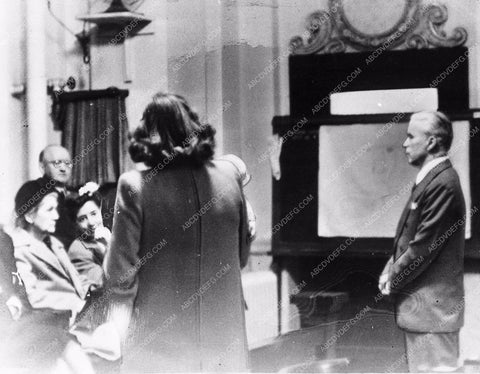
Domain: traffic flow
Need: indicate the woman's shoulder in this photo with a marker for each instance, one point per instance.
(76, 247)
(224, 164)
(131, 180)
(19, 236)
(131, 176)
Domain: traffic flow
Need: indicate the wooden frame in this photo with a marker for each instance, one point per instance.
(299, 167)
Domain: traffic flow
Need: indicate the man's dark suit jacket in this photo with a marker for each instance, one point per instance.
(426, 270)
(7, 267)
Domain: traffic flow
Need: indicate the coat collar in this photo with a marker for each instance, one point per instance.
(429, 166)
(429, 177)
(55, 257)
(22, 238)
(97, 248)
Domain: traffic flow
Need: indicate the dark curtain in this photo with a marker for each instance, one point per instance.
(95, 131)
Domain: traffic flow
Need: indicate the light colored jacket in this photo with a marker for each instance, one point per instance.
(50, 279)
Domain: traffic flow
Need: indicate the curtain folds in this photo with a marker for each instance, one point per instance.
(95, 131)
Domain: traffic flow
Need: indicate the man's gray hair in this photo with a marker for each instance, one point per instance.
(440, 126)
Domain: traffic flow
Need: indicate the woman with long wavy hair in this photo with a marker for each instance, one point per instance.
(179, 240)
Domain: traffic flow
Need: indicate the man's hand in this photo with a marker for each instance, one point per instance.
(101, 232)
(15, 307)
(384, 281)
(103, 235)
(384, 284)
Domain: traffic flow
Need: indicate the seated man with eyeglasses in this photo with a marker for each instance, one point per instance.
(56, 165)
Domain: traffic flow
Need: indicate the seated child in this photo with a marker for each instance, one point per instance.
(88, 250)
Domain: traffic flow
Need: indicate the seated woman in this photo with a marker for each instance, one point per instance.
(54, 290)
(88, 250)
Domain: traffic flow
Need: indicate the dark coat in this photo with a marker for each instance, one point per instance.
(66, 229)
(179, 241)
(8, 289)
(427, 269)
(7, 267)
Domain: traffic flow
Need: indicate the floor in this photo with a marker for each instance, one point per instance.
(370, 343)
(364, 337)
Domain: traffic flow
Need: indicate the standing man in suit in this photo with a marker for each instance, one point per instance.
(56, 165)
(425, 272)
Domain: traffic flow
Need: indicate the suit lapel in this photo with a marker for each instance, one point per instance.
(416, 192)
(403, 218)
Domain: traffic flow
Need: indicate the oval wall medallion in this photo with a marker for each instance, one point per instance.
(354, 18)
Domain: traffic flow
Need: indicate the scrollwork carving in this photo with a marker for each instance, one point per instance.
(418, 27)
(431, 30)
(318, 36)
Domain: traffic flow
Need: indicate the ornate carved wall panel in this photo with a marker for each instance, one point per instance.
(418, 26)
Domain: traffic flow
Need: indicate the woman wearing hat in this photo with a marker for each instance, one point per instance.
(54, 290)
(179, 240)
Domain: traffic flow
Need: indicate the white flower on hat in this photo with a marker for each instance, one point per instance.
(89, 188)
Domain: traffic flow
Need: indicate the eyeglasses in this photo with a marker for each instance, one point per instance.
(58, 163)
